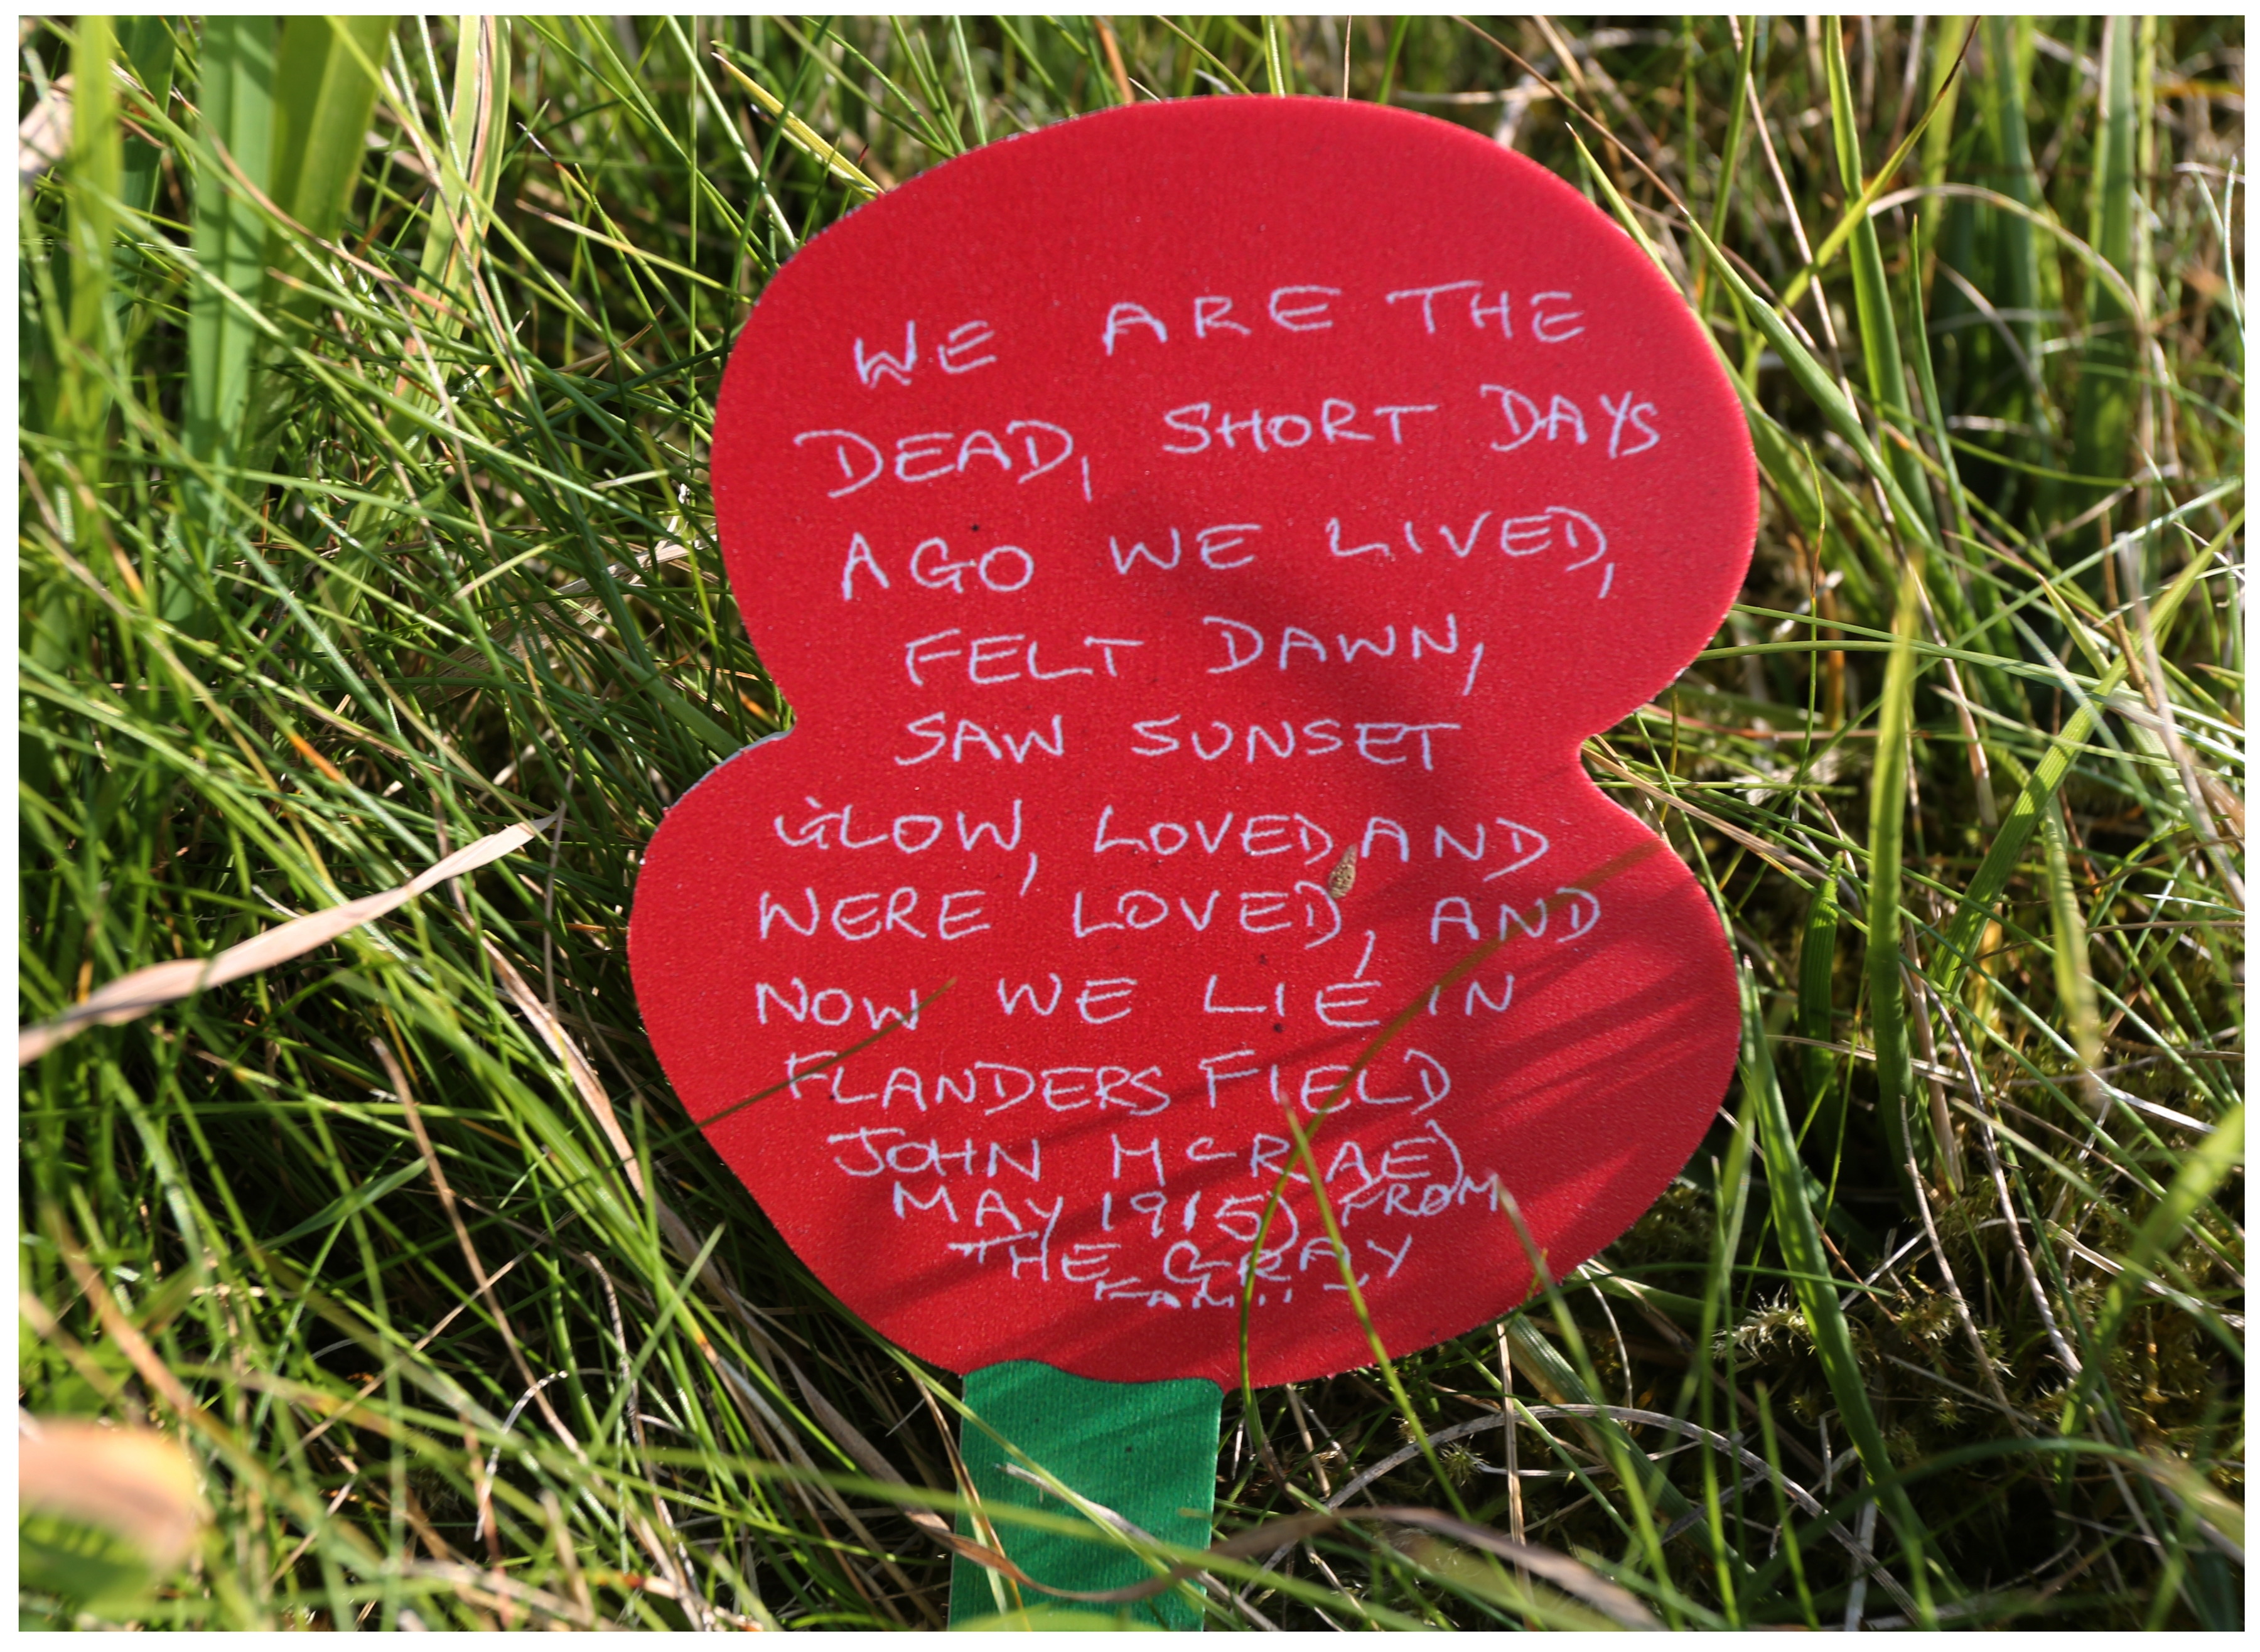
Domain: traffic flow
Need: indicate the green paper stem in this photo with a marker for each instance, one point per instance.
(1145, 1450)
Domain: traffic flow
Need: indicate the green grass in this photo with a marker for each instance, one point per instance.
(366, 379)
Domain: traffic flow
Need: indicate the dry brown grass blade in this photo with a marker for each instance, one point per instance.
(43, 136)
(131, 997)
(134, 1482)
(593, 1096)
(1770, 853)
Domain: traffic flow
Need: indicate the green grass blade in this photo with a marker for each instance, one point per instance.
(1887, 797)
(2038, 793)
(1943, 89)
(147, 44)
(1730, 163)
(351, 1203)
(1559, 1381)
(324, 91)
(1278, 74)
(975, 98)
(1729, 1572)
(95, 167)
(2075, 978)
(2104, 414)
(937, 113)
(1778, 457)
(1815, 381)
(1816, 1011)
(1398, 31)
(1855, 218)
(325, 81)
(2213, 1162)
(2232, 288)
(2143, 249)
(470, 163)
(1877, 326)
(1809, 1265)
(2007, 59)
(467, 160)
(1926, 379)
(235, 92)
(797, 133)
